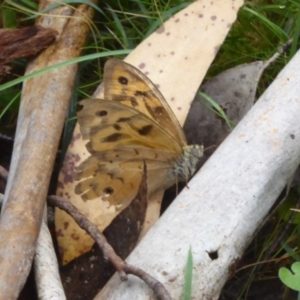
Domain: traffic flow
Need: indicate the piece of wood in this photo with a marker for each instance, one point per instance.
(226, 202)
(23, 42)
(45, 100)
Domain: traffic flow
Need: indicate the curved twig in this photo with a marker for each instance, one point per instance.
(122, 267)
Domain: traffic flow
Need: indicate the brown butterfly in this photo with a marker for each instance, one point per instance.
(132, 125)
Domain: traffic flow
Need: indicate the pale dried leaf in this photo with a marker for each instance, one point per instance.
(234, 91)
(190, 40)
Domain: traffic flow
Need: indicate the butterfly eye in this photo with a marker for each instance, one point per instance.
(101, 113)
(123, 80)
(108, 190)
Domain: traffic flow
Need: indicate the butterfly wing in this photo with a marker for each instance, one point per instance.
(121, 139)
(126, 84)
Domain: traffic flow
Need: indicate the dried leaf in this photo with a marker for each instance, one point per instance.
(191, 39)
(234, 91)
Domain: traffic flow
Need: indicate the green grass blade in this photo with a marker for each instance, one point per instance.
(188, 278)
(279, 32)
(63, 64)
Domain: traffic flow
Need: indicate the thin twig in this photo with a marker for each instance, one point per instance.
(122, 267)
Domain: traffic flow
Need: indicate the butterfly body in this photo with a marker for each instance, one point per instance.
(132, 126)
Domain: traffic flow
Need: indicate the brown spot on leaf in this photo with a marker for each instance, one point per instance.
(200, 16)
(142, 66)
(160, 29)
(75, 236)
(213, 18)
(59, 233)
(66, 225)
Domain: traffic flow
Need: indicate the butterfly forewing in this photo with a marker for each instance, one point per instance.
(126, 84)
(111, 125)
